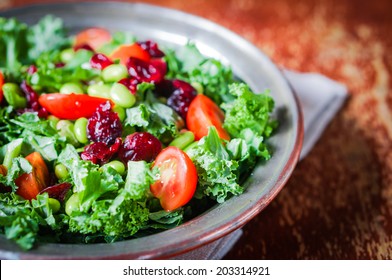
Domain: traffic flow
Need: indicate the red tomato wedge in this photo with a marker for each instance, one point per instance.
(30, 184)
(70, 106)
(203, 113)
(124, 52)
(95, 37)
(178, 178)
(1, 85)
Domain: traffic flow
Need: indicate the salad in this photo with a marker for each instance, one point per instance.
(104, 137)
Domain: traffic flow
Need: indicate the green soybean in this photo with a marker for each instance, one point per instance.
(66, 128)
(80, 130)
(72, 204)
(120, 112)
(114, 73)
(53, 120)
(117, 165)
(67, 55)
(99, 90)
(14, 96)
(54, 204)
(69, 88)
(198, 87)
(61, 171)
(183, 140)
(122, 96)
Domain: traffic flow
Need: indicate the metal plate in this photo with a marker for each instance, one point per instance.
(174, 28)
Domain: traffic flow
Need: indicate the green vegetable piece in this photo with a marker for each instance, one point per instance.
(14, 96)
(54, 204)
(122, 96)
(99, 90)
(117, 165)
(13, 150)
(53, 121)
(198, 87)
(67, 55)
(69, 88)
(80, 130)
(120, 112)
(72, 204)
(114, 73)
(61, 171)
(66, 128)
(183, 140)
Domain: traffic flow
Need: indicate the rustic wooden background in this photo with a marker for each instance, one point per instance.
(338, 203)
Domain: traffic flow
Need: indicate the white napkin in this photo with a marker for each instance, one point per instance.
(320, 98)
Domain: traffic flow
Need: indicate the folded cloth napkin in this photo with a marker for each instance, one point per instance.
(320, 99)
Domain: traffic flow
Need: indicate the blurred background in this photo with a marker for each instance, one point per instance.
(338, 203)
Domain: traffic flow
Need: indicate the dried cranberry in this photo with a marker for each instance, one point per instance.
(181, 97)
(131, 83)
(100, 153)
(146, 71)
(140, 146)
(32, 101)
(58, 191)
(32, 69)
(152, 48)
(59, 65)
(104, 125)
(100, 61)
(83, 47)
(164, 88)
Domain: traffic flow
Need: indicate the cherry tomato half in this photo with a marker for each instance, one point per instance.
(95, 37)
(124, 52)
(30, 184)
(1, 85)
(203, 113)
(178, 178)
(70, 106)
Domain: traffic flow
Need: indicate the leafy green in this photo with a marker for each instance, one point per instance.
(119, 38)
(138, 180)
(19, 166)
(217, 172)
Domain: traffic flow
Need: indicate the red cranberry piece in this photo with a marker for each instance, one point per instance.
(131, 83)
(140, 146)
(83, 47)
(100, 61)
(152, 48)
(181, 97)
(164, 88)
(59, 65)
(146, 71)
(104, 125)
(58, 191)
(32, 101)
(32, 69)
(100, 153)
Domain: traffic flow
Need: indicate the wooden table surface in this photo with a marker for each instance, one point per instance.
(338, 202)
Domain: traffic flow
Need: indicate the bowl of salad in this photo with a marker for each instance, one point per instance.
(134, 131)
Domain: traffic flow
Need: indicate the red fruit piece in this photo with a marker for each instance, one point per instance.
(32, 101)
(100, 61)
(131, 83)
(100, 153)
(181, 97)
(152, 48)
(152, 71)
(57, 191)
(140, 146)
(104, 125)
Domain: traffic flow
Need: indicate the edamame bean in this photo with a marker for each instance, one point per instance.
(54, 204)
(61, 171)
(114, 73)
(72, 204)
(69, 88)
(14, 96)
(80, 130)
(53, 120)
(198, 87)
(122, 96)
(66, 128)
(120, 112)
(117, 165)
(67, 55)
(183, 140)
(99, 90)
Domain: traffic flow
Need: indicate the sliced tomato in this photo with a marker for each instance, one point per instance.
(70, 106)
(203, 113)
(124, 52)
(30, 184)
(1, 85)
(178, 178)
(95, 37)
